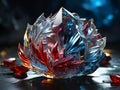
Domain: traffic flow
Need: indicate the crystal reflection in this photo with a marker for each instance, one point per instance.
(76, 83)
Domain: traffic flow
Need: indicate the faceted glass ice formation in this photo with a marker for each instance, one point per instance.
(62, 46)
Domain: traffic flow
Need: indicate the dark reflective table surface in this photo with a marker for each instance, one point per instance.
(99, 80)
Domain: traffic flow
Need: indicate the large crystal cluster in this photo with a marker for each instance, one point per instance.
(62, 46)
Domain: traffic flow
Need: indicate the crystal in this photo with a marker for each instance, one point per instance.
(115, 80)
(62, 45)
(19, 71)
(8, 62)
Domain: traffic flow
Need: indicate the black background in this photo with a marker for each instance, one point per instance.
(15, 14)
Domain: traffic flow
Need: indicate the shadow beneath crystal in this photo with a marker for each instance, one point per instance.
(75, 83)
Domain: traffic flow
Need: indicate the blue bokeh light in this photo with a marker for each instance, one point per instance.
(93, 4)
(102, 11)
(108, 19)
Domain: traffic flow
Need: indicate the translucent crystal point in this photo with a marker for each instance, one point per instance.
(62, 46)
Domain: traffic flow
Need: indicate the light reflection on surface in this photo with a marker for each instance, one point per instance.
(102, 71)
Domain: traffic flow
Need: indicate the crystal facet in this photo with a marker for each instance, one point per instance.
(63, 45)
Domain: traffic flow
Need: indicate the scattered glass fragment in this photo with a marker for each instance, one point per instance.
(19, 71)
(115, 78)
(8, 62)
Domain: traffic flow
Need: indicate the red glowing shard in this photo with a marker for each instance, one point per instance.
(19, 71)
(54, 52)
(8, 62)
(41, 56)
(115, 79)
(22, 56)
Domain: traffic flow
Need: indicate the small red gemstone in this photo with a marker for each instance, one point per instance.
(19, 71)
(115, 79)
(8, 62)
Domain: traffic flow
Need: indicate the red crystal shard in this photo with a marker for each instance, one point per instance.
(66, 64)
(8, 62)
(22, 56)
(54, 52)
(62, 61)
(19, 71)
(37, 55)
(41, 56)
(115, 79)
